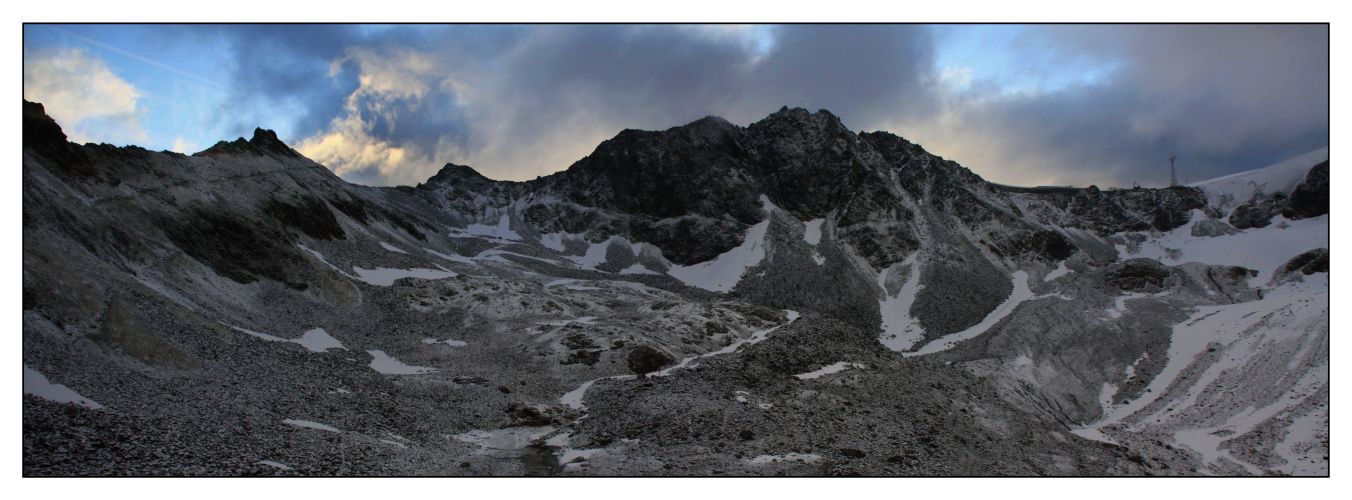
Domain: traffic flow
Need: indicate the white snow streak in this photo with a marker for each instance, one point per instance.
(900, 331)
(724, 272)
(836, 367)
(1020, 294)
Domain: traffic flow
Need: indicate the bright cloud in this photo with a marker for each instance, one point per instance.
(80, 92)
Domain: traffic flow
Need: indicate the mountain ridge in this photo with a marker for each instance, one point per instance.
(792, 275)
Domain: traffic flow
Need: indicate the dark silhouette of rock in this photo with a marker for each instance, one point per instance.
(1311, 197)
(1139, 275)
(643, 360)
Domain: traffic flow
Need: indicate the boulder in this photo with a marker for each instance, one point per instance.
(1139, 275)
(1211, 227)
(1257, 212)
(644, 360)
(1311, 197)
(1313, 261)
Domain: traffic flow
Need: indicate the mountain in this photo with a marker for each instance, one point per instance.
(803, 299)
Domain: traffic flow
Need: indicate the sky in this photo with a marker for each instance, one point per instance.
(389, 105)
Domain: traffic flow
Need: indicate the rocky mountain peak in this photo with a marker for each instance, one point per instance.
(38, 128)
(799, 118)
(263, 142)
(453, 174)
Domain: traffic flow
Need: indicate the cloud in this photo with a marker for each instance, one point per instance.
(548, 97)
(1224, 98)
(181, 145)
(81, 93)
(1045, 104)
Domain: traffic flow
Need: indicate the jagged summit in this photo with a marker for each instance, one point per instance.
(263, 142)
(456, 174)
(38, 128)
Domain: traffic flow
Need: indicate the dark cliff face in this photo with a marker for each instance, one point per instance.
(693, 190)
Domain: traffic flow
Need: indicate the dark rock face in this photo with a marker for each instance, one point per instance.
(1139, 275)
(1117, 210)
(1311, 197)
(306, 214)
(694, 190)
(530, 415)
(643, 360)
(1257, 212)
(1313, 261)
(241, 251)
(958, 295)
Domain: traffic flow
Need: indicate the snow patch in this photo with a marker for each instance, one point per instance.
(1225, 193)
(553, 241)
(306, 424)
(1061, 270)
(1261, 249)
(637, 269)
(836, 367)
(500, 231)
(271, 463)
(812, 231)
(392, 248)
(318, 340)
(35, 383)
(453, 258)
(382, 276)
(386, 364)
(573, 399)
(314, 340)
(900, 331)
(1242, 331)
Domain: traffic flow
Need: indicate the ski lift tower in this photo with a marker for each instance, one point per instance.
(1173, 174)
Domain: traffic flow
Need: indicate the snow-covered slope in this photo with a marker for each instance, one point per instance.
(1224, 193)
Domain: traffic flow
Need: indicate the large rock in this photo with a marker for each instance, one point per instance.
(1212, 227)
(1257, 212)
(1311, 197)
(1139, 275)
(1313, 261)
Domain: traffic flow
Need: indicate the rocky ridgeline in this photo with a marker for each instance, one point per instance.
(482, 327)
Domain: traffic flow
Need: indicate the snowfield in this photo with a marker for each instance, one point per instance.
(1261, 249)
(1227, 192)
(1269, 352)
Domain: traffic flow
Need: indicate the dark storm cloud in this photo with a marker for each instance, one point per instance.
(1223, 98)
(521, 101)
(576, 85)
(865, 74)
